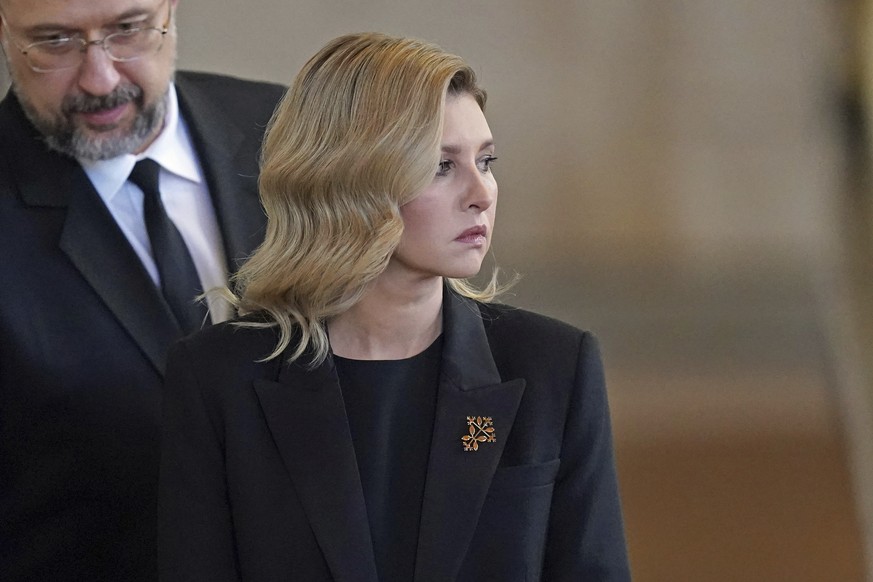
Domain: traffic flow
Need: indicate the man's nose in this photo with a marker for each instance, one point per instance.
(97, 73)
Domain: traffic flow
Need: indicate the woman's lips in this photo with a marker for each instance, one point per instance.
(475, 236)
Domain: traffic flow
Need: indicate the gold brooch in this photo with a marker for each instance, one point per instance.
(481, 431)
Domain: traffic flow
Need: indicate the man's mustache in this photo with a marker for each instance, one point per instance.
(91, 103)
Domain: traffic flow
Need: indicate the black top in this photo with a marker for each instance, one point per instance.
(390, 406)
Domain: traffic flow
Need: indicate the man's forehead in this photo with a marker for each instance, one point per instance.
(70, 12)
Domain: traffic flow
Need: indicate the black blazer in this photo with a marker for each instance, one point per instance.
(83, 341)
(259, 480)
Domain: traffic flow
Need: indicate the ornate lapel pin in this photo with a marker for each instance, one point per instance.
(481, 431)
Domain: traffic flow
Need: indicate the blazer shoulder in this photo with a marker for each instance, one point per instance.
(229, 85)
(227, 348)
(242, 99)
(503, 319)
(521, 339)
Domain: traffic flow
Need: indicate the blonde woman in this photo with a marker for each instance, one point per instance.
(371, 416)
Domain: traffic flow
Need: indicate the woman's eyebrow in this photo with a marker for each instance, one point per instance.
(454, 149)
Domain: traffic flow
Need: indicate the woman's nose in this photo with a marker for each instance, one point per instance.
(481, 190)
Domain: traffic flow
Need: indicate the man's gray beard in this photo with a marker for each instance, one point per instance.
(62, 135)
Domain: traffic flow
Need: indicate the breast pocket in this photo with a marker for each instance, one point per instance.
(510, 535)
(524, 476)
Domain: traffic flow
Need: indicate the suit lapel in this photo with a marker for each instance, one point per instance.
(90, 237)
(231, 168)
(458, 480)
(307, 418)
(101, 253)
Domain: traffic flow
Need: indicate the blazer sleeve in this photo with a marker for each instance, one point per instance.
(586, 535)
(195, 533)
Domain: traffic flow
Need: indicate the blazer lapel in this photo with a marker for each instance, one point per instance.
(458, 480)
(91, 238)
(230, 166)
(307, 418)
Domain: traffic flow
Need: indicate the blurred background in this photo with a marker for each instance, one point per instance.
(689, 179)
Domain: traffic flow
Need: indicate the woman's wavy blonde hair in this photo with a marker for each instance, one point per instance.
(355, 137)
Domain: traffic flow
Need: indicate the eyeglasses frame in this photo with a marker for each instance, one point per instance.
(84, 44)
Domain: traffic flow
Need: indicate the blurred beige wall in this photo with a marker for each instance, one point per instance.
(619, 123)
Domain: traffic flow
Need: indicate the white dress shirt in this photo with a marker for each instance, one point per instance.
(185, 197)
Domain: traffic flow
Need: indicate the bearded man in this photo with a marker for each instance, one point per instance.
(126, 190)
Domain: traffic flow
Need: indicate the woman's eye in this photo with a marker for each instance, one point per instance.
(485, 163)
(444, 167)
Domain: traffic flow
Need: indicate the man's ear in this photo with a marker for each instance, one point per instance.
(3, 42)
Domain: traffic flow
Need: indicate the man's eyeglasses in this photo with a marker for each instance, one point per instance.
(68, 52)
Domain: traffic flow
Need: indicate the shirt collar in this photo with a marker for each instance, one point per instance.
(172, 149)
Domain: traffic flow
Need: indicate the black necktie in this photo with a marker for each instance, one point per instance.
(179, 281)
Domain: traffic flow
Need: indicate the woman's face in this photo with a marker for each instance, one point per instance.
(448, 227)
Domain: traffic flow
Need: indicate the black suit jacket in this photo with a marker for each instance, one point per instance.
(83, 341)
(259, 480)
